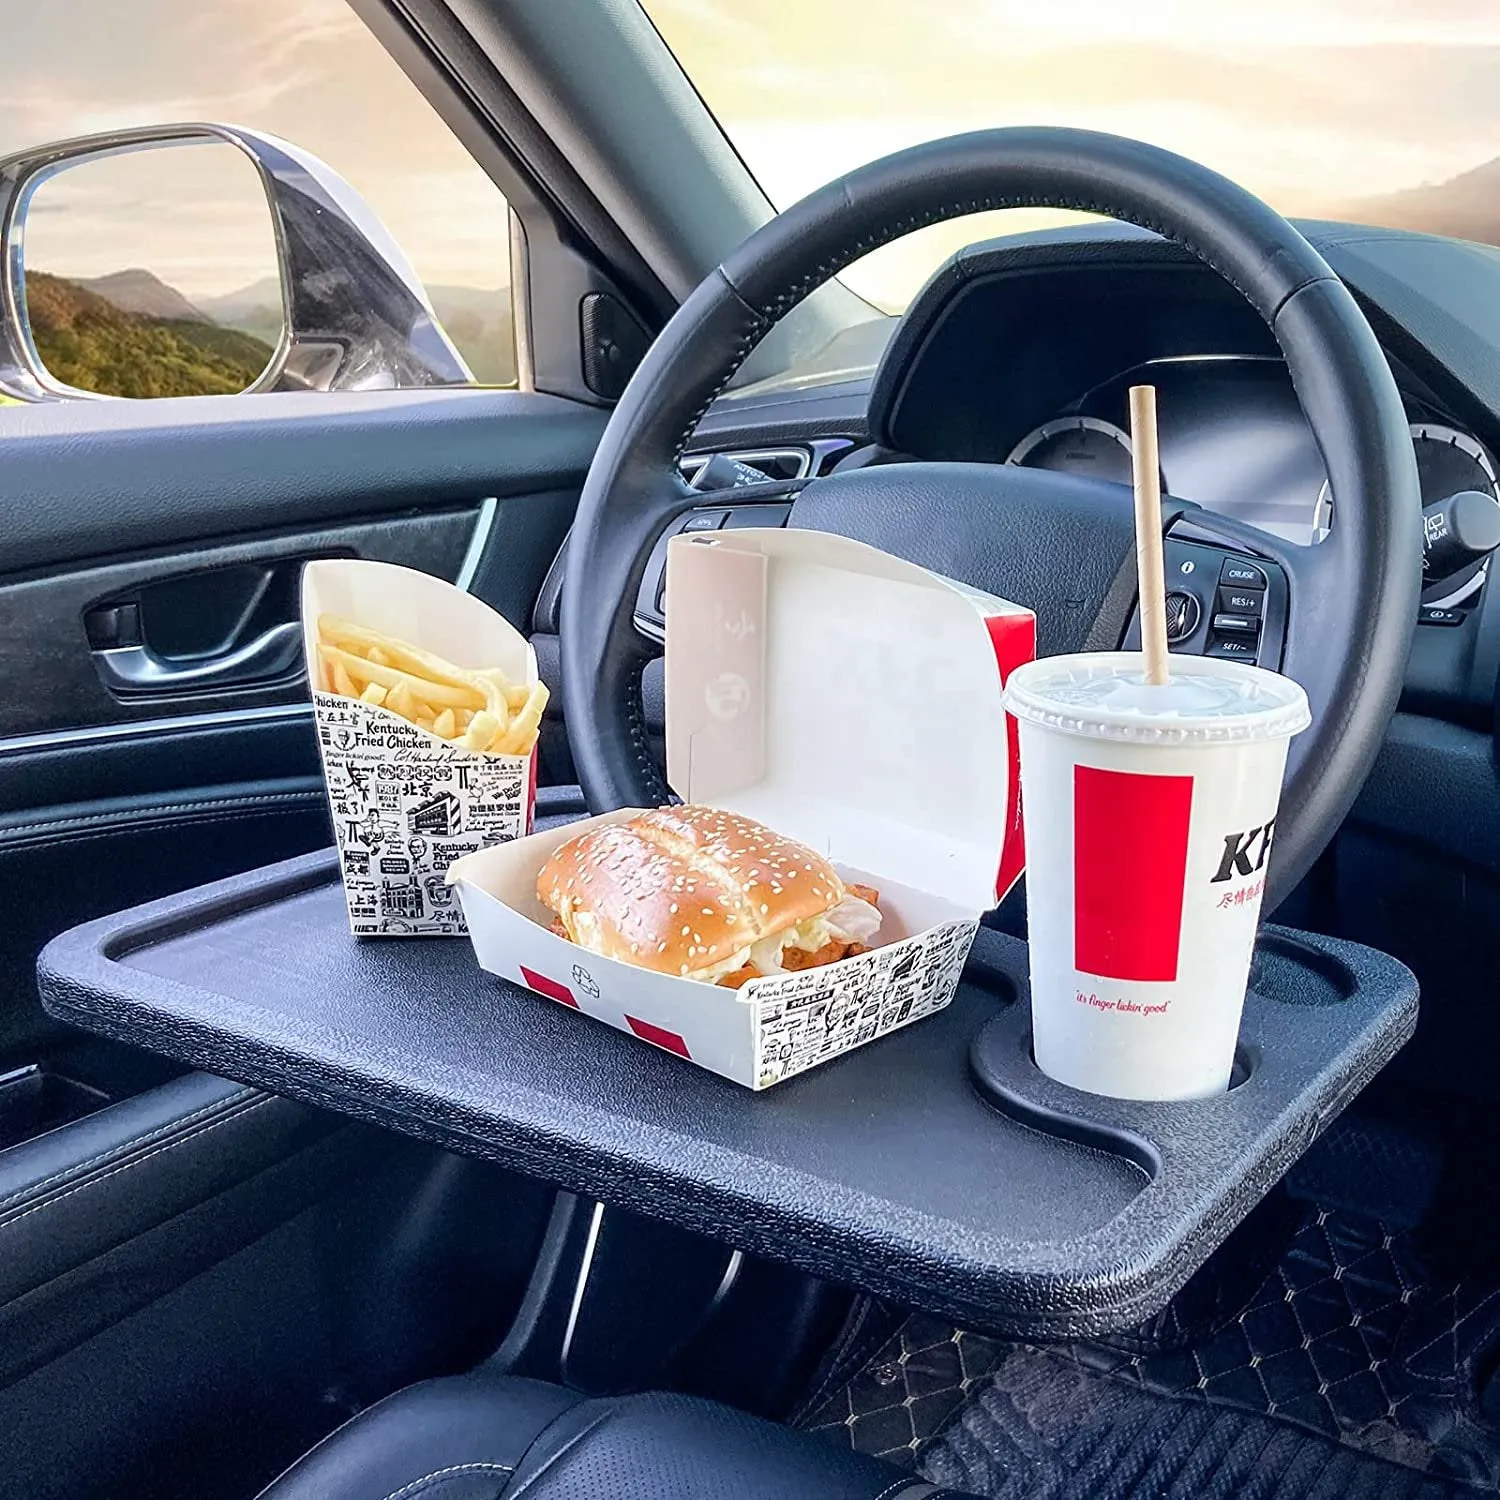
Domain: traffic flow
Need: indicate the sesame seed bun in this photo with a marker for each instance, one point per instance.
(684, 889)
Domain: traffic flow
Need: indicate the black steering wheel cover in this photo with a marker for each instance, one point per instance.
(1357, 607)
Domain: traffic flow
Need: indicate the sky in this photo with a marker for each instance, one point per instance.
(307, 70)
(1310, 103)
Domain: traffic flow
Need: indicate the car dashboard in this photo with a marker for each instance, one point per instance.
(1233, 440)
(1022, 350)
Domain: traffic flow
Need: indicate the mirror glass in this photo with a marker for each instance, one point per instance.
(152, 272)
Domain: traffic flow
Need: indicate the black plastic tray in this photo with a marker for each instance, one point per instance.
(1019, 1205)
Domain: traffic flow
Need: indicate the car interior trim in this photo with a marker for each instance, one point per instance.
(479, 539)
(130, 729)
(581, 1282)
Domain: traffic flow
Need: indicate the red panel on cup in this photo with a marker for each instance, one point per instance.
(1130, 841)
(660, 1035)
(548, 987)
(1013, 638)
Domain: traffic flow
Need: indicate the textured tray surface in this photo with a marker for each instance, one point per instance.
(885, 1168)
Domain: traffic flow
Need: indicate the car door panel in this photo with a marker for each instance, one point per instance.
(138, 761)
(85, 480)
(63, 673)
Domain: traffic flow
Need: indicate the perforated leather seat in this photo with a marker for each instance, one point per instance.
(487, 1437)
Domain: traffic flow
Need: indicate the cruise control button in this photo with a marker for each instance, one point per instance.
(1237, 624)
(705, 520)
(1236, 600)
(1433, 614)
(1235, 570)
(1244, 649)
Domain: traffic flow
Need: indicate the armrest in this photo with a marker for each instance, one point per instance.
(71, 1195)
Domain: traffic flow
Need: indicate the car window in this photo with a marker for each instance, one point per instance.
(1376, 111)
(156, 274)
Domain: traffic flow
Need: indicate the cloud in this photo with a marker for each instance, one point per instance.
(307, 70)
(1305, 101)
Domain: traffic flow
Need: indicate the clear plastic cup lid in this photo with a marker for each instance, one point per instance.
(1208, 701)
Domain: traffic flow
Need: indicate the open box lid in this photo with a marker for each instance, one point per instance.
(850, 700)
(416, 608)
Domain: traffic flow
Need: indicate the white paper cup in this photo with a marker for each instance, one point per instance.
(1149, 814)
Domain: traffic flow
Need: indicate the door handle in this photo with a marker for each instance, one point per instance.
(139, 671)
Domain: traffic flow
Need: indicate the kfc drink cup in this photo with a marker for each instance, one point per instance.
(1149, 818)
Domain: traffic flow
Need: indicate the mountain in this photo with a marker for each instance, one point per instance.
(1467, 207)
(482, 325)
(254, 309)
(87, 340)
(479, 321)
(256, 300)
(140, 291)
(104, 328)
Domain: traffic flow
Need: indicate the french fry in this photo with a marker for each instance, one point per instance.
(399, 701)
(521, 736)
(481, 710)
(483, 728)
(515, 694)
(438, 694)
(410, 659)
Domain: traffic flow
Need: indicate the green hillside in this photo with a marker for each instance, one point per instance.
(88, 342)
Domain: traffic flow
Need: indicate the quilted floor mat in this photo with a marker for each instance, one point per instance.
(1354, 1368)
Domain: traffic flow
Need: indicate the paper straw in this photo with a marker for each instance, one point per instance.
(1146, 467)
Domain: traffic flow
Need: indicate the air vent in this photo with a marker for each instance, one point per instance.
(776, 463)
(794, 461)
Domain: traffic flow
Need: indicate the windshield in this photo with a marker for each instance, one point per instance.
(1379, 111)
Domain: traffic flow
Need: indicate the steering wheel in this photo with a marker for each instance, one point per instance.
(1060, 544)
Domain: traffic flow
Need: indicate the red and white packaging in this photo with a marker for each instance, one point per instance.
(1150, 819)
(406, 803)
(846, 699)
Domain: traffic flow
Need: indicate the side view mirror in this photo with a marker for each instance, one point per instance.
(202, 259)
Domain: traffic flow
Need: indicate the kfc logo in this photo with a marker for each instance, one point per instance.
(1245, 853)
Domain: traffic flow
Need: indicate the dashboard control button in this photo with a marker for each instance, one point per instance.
(1183, 614)
(1235, 646)
(757, 515)
(1432, 614)
(1237, 624)
(1235, 600)
(1236, 570)
(705, 520)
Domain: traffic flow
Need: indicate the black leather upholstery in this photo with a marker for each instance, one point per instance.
(79, 1206)
(1355, 607)
(492, 1437)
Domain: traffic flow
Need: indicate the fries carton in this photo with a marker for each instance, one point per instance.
(844, 698)
(406, 803)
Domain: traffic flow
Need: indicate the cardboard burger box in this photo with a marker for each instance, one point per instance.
(844, 698)
(406, 803)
